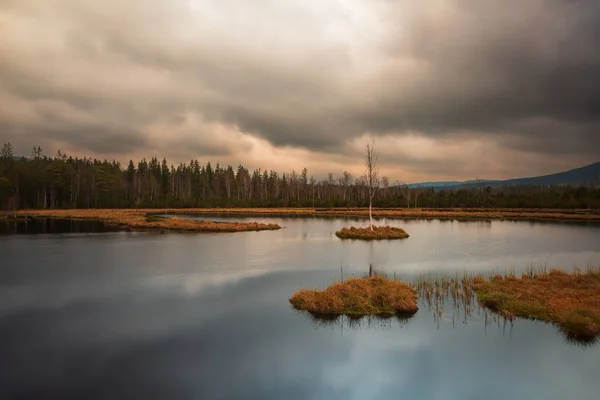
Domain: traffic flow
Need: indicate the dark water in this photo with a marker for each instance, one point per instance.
(49, 225)
(112, 315)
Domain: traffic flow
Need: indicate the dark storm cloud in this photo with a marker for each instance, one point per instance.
(159, 76)
(494, 70)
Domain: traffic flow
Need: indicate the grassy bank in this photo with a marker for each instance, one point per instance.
(531, 214)
(143, 220)
(377, 233)
(400, 213)
(357, 297)
(571, 301)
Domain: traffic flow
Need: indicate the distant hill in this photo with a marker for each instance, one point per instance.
(589, 174)
(449, 184)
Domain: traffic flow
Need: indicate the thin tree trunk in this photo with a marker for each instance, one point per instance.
(371, 213)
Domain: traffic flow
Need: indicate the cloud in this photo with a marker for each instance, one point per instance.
(490, 70)
(237, 81)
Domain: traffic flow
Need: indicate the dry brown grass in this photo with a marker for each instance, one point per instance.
(569, 300)
(139, 220)
(359, 296)
(401, 213)
(377, 233)
(411, 213)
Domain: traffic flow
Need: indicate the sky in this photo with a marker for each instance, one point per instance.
(446, 89)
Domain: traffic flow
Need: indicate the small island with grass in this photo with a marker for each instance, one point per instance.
(372, 233)
(357, 297)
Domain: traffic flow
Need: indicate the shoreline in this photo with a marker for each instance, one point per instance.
(392, 213)
(140, 220)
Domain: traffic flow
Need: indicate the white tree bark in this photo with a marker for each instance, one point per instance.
(372, 176)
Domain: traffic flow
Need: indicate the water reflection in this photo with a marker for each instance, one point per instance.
(454, 300)
(137, 315)
(31, 226)
(356, 323)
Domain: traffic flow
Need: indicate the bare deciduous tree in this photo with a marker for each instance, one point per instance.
(372, 176)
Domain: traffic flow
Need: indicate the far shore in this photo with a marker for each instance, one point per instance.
(392, 213)
(408, 213)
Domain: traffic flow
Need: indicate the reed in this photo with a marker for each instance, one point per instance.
(570, 301)
(358, 323)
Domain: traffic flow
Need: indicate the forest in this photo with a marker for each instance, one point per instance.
(39, 181)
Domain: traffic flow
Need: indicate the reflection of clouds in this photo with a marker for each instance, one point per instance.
(43, 297)
(196, 283)
(159, 315)
(15, 300)
(245, 332)
(39, 297)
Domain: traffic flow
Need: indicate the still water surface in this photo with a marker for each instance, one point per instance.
(106, 315)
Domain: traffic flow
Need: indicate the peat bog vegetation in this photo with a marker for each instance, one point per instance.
(141, 220)
(571, 301)
(466, 214)
(374, 233)
(358, 297)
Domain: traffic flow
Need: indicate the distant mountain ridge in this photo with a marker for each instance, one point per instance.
(588, 175)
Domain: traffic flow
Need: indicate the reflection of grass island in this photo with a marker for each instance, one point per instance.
(570, 301)
(144, 220)
(377, 233)
(357, 297)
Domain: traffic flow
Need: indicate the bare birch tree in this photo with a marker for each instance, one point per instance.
(372, 176)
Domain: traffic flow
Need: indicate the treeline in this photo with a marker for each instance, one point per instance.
(39, 181)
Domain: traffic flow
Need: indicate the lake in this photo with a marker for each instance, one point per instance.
(90, 313)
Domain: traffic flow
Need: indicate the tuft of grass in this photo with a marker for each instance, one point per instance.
(569, 300)
(375, 295)
(378, 233)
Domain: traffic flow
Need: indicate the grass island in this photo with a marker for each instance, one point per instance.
(358, 297)
(570, 301)
(374, 233)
